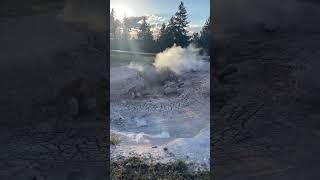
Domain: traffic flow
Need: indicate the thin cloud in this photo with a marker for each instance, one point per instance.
(154, 21)
(194, 28)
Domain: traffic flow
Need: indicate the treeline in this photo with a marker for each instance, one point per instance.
(174, 32)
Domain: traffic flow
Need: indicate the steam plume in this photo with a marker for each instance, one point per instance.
(178, 59)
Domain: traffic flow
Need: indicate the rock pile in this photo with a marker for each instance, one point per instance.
(135, 92)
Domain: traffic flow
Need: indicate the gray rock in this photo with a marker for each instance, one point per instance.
(169, 83)
(180, 90)
(181, 84)
(170, 90)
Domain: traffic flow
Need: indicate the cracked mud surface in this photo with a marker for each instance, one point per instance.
(28, 153)
(31, 145)
(268, 130)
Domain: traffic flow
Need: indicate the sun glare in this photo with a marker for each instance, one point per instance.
(121, 11)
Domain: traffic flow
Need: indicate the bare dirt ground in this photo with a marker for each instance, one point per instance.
(269, 127)
(40, 55)
(159, 127)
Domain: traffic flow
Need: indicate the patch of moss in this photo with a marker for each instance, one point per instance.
(135, 168)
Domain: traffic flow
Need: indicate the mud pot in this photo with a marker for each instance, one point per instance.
(162, 122)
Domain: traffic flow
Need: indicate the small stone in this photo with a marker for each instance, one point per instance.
(165, 149)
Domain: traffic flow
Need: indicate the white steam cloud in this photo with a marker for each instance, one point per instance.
(136, 66)
(179, 60)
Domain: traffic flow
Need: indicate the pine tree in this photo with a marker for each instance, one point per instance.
(181, 18)
(176, 31)
(162, 31)
(145, 36)
(205, 37)
(171, 32)
(145, 33)
(125, 29)
(164, 38)
(112, 23)
(195, 38)
(180, 24)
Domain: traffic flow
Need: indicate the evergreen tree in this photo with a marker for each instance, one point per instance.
(181, 23)
(205, 37)
(164, 38)
(170, 34)
(145, 33)
(162, 31)
(195, 38)
(125, 29)
(176, 32)
(114, 25)
(145, 37)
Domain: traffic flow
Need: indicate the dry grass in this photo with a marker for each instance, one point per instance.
(135, 168)
(114, 139)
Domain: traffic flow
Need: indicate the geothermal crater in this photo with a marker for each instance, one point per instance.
(160, 115)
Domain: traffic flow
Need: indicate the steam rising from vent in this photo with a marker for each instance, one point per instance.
(136, 66)
(178, 59)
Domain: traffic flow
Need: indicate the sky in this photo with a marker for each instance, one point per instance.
(159, 11)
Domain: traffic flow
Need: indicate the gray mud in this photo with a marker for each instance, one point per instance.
(160, 126)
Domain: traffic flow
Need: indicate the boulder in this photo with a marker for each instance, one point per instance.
(135, 92)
